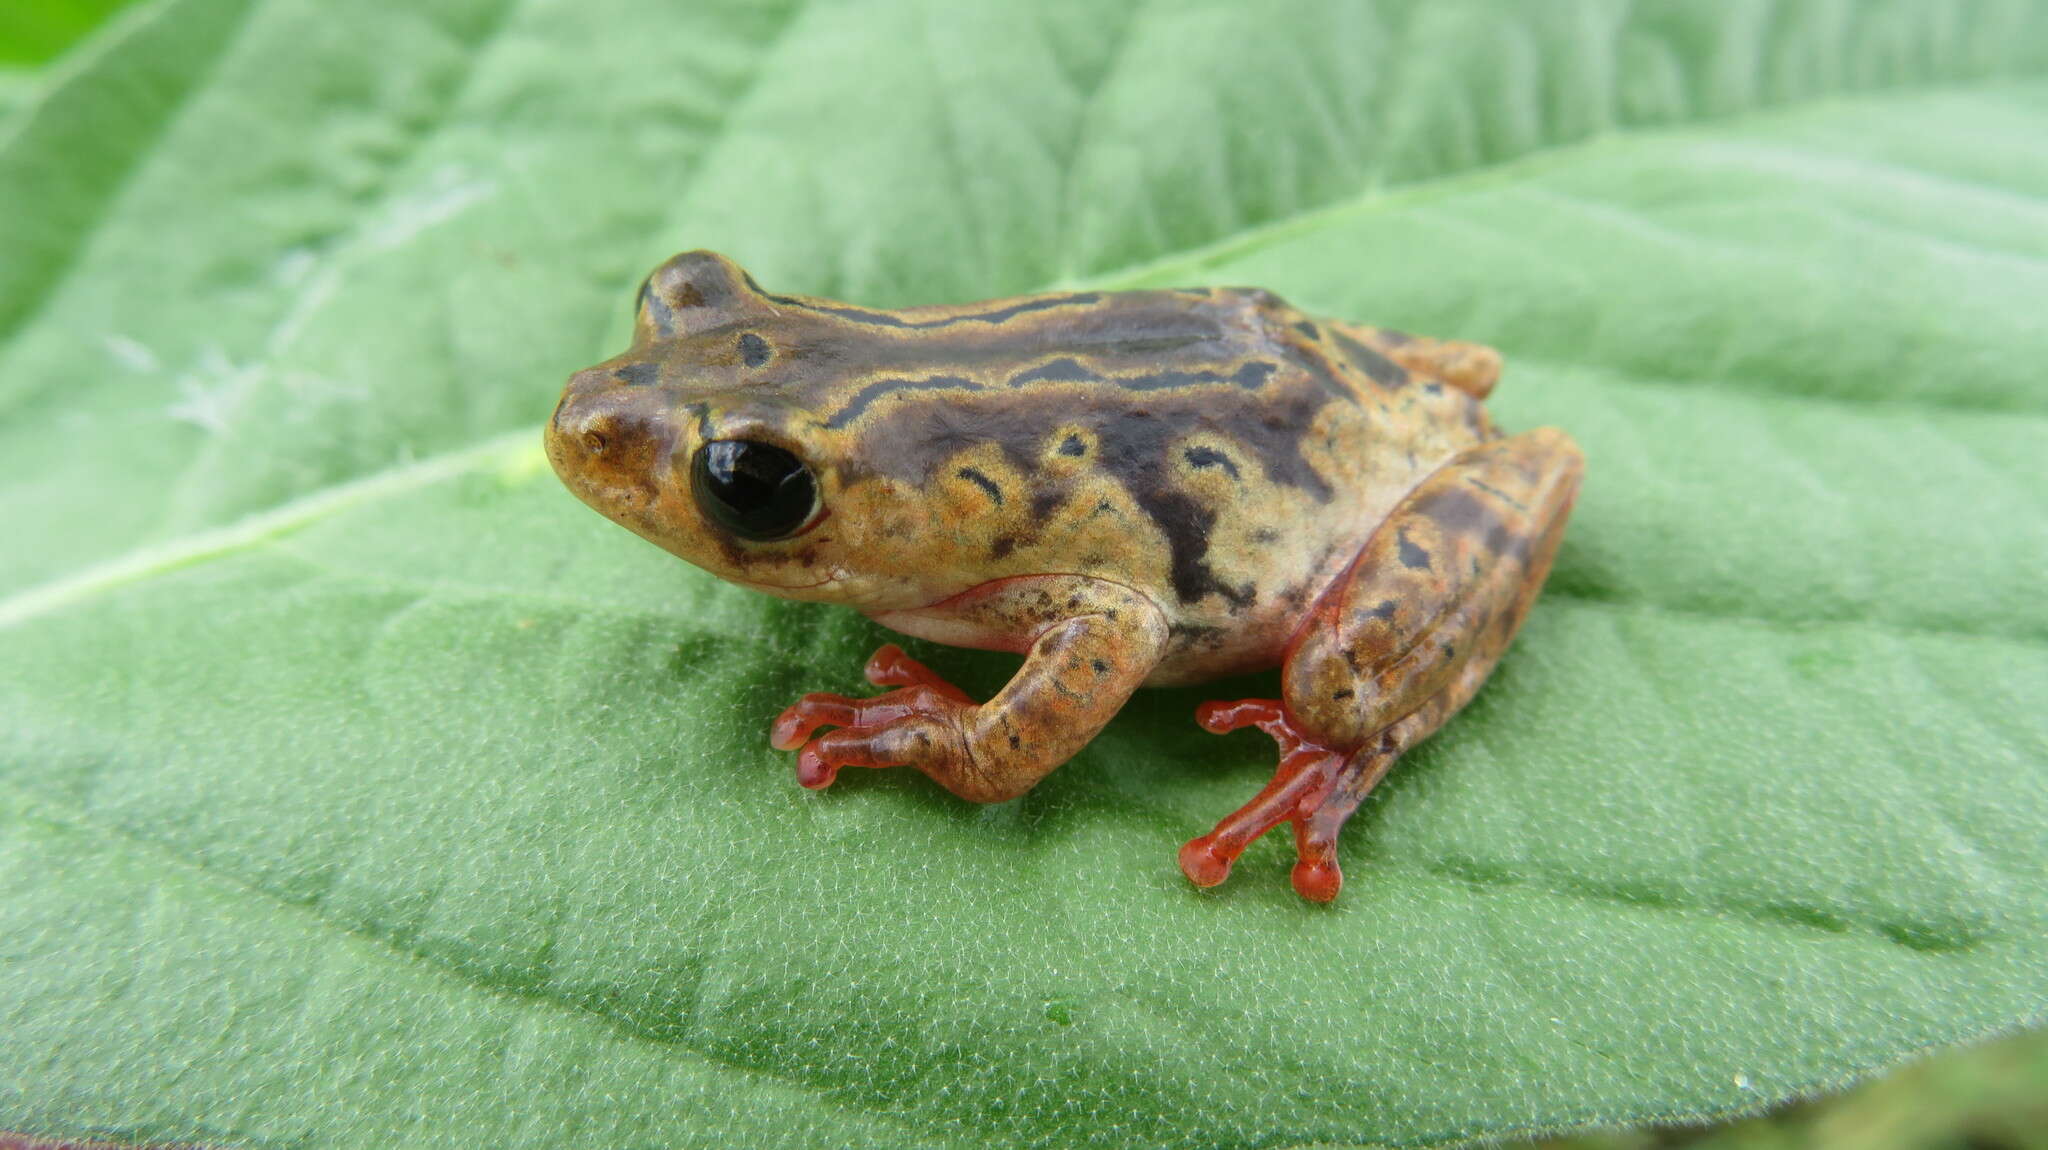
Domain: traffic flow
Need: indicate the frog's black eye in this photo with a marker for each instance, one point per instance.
(755, 490)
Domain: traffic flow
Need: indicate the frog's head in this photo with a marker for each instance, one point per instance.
(700, 438)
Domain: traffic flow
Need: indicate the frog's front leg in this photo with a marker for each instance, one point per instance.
(1397, 645)
(1088, 644)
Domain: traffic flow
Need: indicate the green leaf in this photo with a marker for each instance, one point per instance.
(35, 33)
(31, 35)
(360, 788)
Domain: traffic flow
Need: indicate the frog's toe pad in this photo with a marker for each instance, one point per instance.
(1203, 863)
(1315, 788)
(794, 725)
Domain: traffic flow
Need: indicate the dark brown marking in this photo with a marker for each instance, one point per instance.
(1072, 445)
(1312, 361)
(1187, 525)
(1460, 511)
(1251, 376)
(867, 395)
(1308, 329)
(1411, 555)
(658, 312)
(753, 350)
(1065, 369)
(984, 482)
(1379, 368)
(1045, 501)
(1199, 457)
(637, 374)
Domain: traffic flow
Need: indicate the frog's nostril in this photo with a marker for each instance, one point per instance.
(572, 423)
(594, 442)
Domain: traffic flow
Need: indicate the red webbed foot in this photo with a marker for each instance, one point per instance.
(1316, 788)
(915, 725)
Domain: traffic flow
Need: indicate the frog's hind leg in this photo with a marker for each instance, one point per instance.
(1396, 646)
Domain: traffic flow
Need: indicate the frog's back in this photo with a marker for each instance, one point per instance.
(1214, 448)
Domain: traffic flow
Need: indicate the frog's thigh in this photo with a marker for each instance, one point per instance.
(1428, 607)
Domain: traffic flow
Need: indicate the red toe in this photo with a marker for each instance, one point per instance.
(1203, 863)
(1318, 880)
(813, 771)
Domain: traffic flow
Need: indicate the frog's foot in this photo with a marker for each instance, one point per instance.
(910, 725)
(1316, 788)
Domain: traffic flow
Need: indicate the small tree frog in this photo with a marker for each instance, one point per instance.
(1127, 488)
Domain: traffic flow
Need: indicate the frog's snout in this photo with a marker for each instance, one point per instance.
(598, 412)
(609, 440)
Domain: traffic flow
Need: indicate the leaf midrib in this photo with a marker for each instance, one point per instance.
(145, 562)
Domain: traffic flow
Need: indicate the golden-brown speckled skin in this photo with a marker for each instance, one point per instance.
(1130, 488)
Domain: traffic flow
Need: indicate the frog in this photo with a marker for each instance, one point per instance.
(1137, 488)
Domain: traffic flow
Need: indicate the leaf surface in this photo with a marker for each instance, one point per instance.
(360, 788)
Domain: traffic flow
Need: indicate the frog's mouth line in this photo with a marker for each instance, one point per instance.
(827, 580)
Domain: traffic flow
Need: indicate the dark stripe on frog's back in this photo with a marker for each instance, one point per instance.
(1146, 339)
(1118, 330)
(1377, 367)
(1138, 434)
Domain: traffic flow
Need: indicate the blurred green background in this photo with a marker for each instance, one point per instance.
(1992, 1096)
